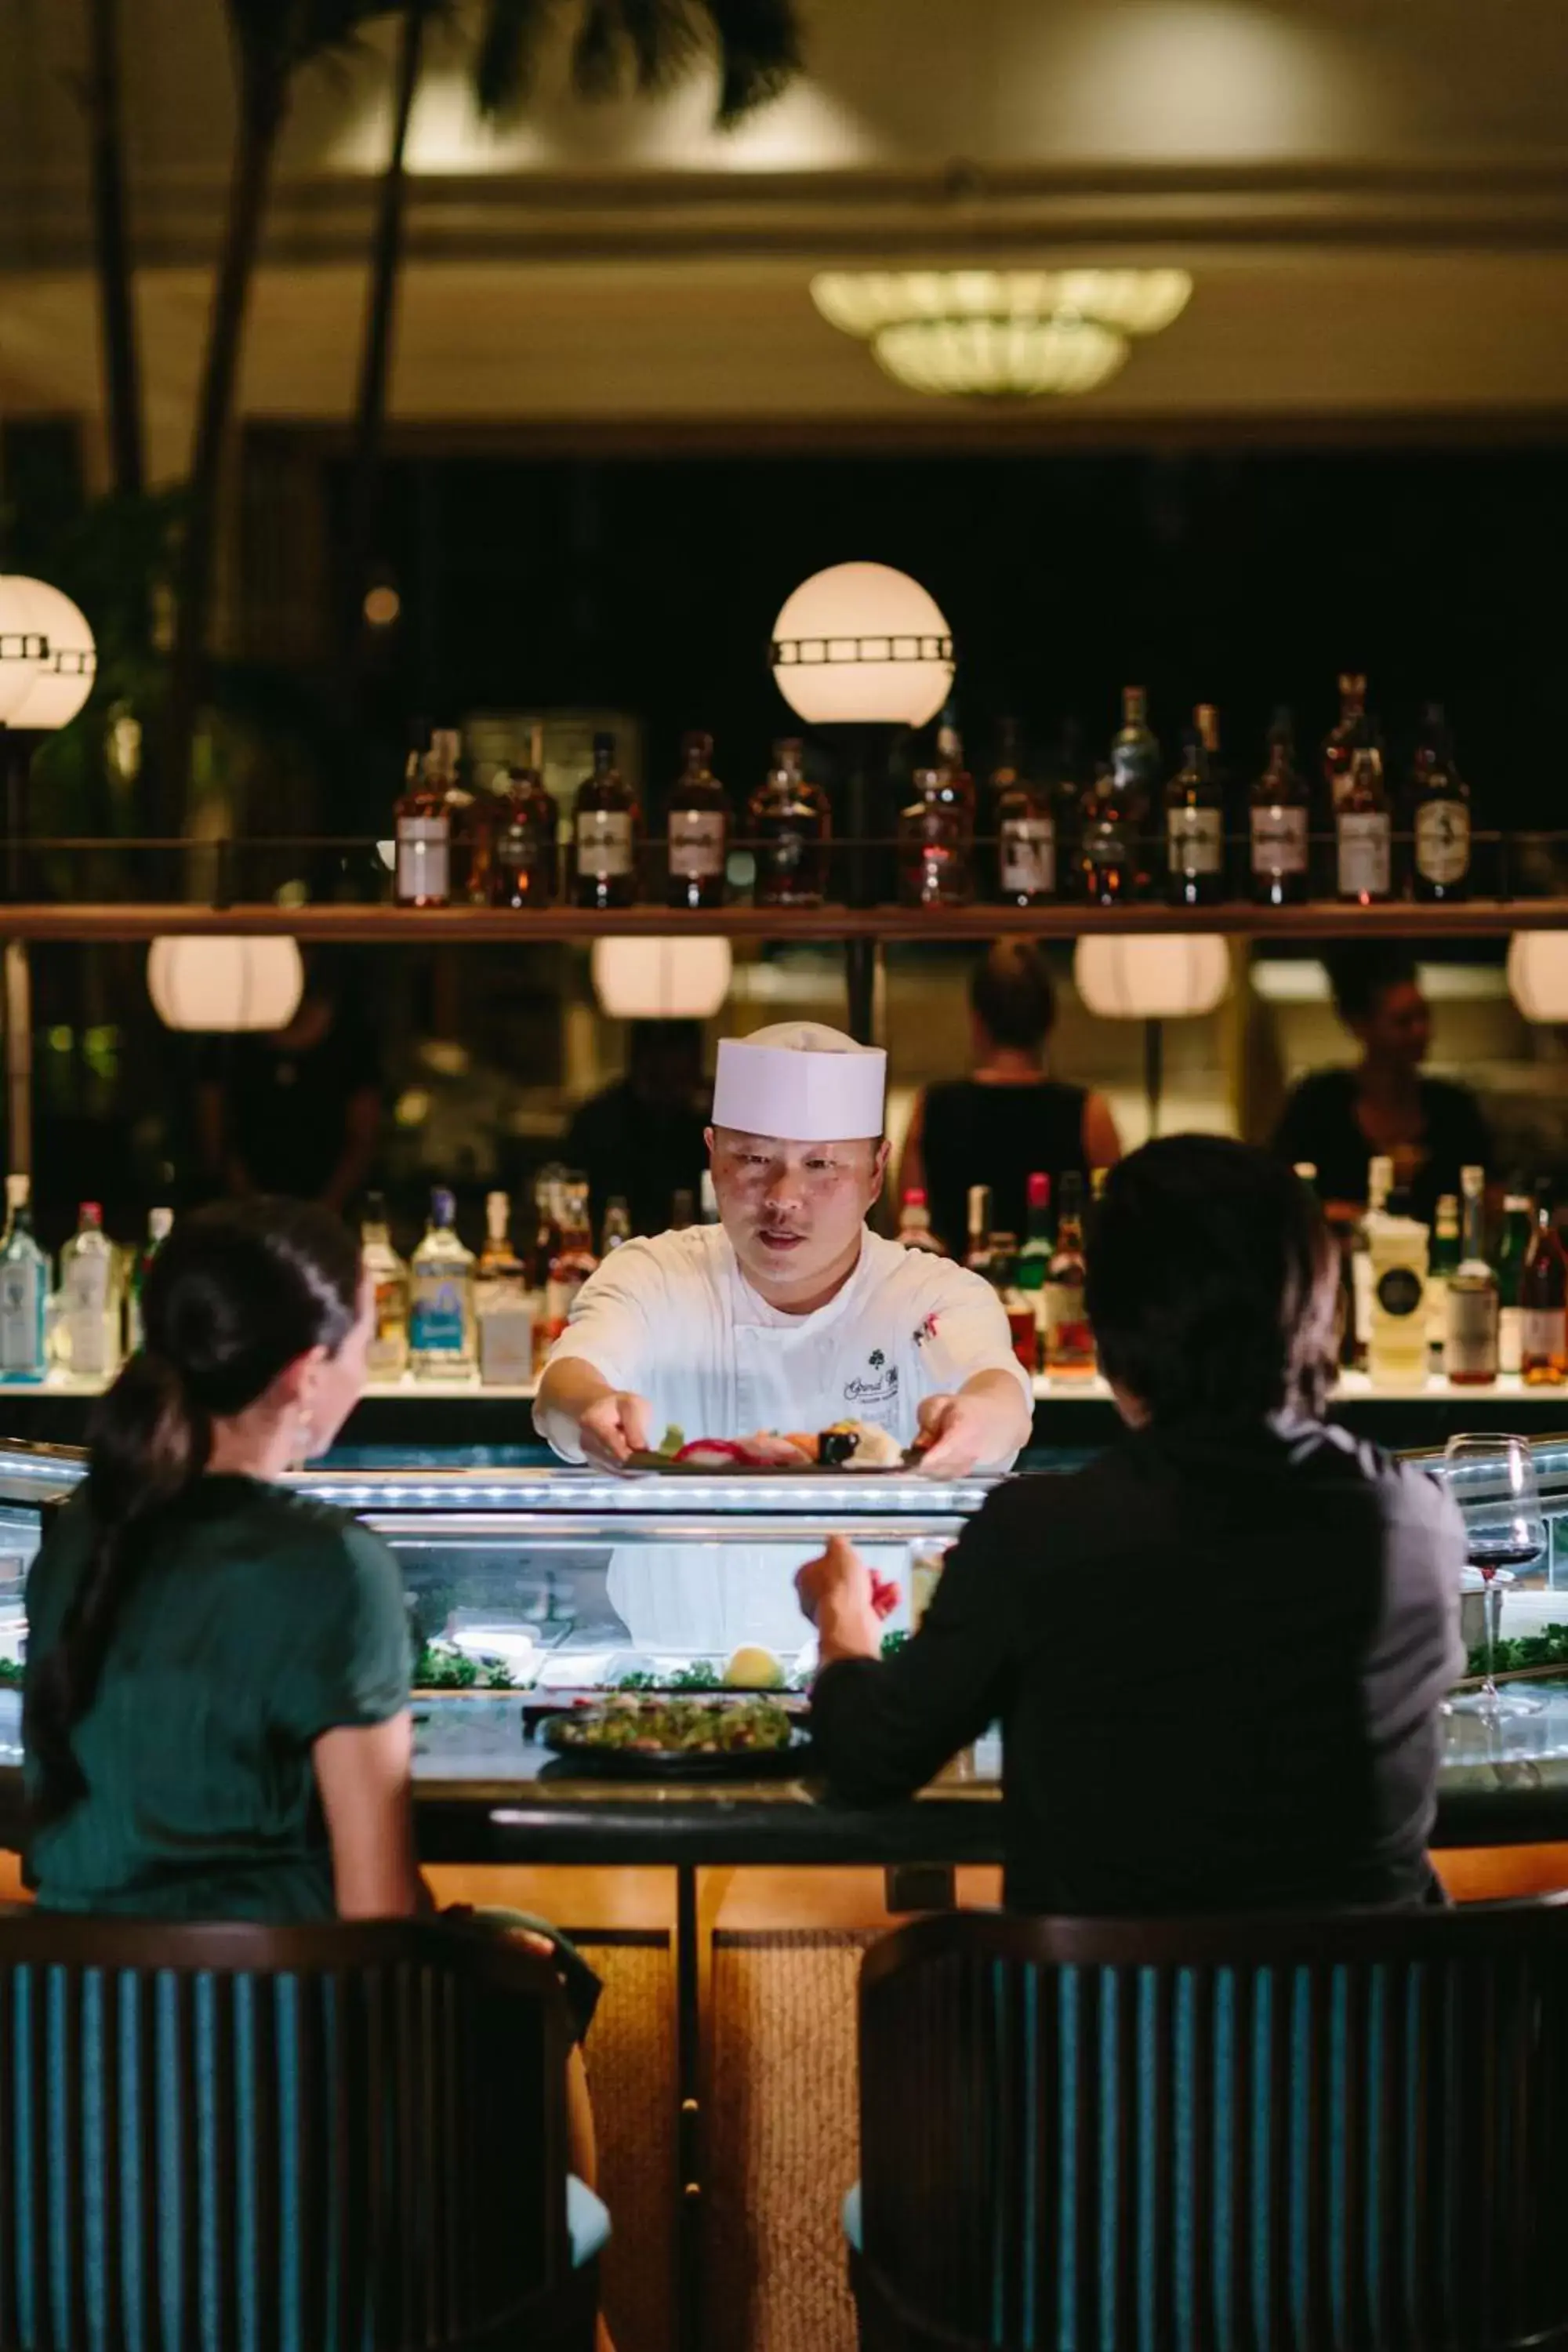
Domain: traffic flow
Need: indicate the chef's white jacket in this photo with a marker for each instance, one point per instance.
(675, 1320)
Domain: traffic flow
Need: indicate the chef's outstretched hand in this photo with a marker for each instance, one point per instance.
(614, 1428)
(835, 1591)
(973, 1430)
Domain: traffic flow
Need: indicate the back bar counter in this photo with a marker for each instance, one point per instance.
(728, 1919)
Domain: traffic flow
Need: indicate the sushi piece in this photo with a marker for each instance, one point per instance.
(859, 1446)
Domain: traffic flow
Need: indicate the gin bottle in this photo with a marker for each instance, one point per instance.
(441, 1302)
(503, 1305)
(87, 1333)
(24, 1291)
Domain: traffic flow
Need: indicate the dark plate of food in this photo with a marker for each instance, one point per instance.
(857, 1445)
(653, 1737)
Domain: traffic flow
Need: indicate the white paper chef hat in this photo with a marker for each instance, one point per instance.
(800, 1080)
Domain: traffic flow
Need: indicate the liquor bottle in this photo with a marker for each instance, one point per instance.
(159, 1224)
(697, 819)
(936, 831)
(386, 1357)
(1441, 1266)
(1344, 739)
(1439, 815)
(541, 1250)
(605, 834)
(1108, 846)
(1070, 774)
(87, 1329)
(1380, 1183)
(1543, 1299)
(1397, 1351)
(1194, 825)
(617, 1227)
(1068, 1342)
(519, 864)
(503, 1302)
(1281, 823)
(1022, 1323)
(791, 827)
(1470, 1338)
(1364, 830)
(977, 1256)
(1517, 1223)
(1135, 768)
(422, 830)
(1025, 826)
(574, 1260)
(24, 1291)
(441, 1298)
(1035, 1257)
(914, 1223)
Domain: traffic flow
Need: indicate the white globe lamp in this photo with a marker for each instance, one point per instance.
(661, 980)
(1160, 977)
(1538, 975)
(863, 645)
(47, 656)
(202, 982)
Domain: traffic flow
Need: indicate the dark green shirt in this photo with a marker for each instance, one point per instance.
(254, 1622)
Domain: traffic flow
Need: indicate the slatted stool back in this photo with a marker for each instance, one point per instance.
(342, 2138)
(1323, 2135)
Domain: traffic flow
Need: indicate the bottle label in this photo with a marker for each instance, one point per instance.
(1104, 843)
(506, 1343)
(697, 843)
(1028, 856)
(1365, 855)
(1470, 1330)
(85, 1313)
(1068, 1340)
(437, 1323)
(21, 1319)
(386, 1357)
(1197, 839)
(1278, 841)
(1442, 841)
(1510, 1339)
(424, 856)
(522, 847)
(1543, 1335)
(1401, 1292)
(604, 842)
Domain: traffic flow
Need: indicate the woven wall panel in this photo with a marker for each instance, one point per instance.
(631, 2074)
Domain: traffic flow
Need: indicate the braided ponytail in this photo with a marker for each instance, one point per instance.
(235, 1295)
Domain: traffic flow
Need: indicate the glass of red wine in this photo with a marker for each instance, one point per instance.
(1493, 1481)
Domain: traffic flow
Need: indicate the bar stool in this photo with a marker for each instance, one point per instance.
(285, 2139)
(1335, 2134)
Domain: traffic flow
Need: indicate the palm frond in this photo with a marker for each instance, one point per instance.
(651, 43)
(510, 37)
(759, 45)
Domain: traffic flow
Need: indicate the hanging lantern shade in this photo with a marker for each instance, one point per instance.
(47, 656)
(224, 983)
(862, 643)
(1166, 976)
(661, 980)
(1538, 975)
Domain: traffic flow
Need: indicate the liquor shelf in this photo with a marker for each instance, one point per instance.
(454, 925)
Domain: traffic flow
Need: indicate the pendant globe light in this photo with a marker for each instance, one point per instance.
(1157, 977)
(47, 656)
(1538, 975)
(203, 981)
(661, 980)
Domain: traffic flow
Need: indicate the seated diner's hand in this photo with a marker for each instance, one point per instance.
(836, 1593)
(985, 1422)
(614, 1428)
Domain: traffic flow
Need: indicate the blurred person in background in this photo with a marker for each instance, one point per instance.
(1011, 1119)
(1340, 1119)
(643, 1136)
(296, 1111)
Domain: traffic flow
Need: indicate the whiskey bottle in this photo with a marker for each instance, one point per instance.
(1107, 858)
(1543, 1299)
(1342, 741)
(1439, 815)
(422, 829)
(519, 862)
(574, 1260)
(791, 829)
(698, 829)
(1471, 1352)
(386, 1357)
(1364, 830)
(1195, 824)
(1135, 768)
(1068, 1341)
(1070, 774)
(1025, 829)
(605, 834)
(936, 831)
(1279, 825)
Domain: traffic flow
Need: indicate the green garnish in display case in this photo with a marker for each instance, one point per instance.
(1547, 1648)
(438, 1666)
(11, 1673)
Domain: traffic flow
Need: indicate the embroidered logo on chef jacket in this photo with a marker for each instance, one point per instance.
(882, 1388)
(926, 1331)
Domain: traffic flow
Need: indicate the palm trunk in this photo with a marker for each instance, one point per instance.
(375, 357)
(117, 312)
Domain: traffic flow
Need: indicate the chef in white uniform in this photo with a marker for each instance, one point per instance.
(788, 1314)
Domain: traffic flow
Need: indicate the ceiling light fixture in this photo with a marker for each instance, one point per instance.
(1017, 334)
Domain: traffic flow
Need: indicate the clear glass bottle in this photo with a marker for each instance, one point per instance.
(936, 831)
(914, 1222)
(1442, 1265)
(386, 1357)
(160, 1226)
(1512, 1248)
(24, 1290)
(1439, 815)
(977, 1256)
(421, 833)
(697, 820)
(1470, 1349)
(1343, 739)
(1543, 1299)
(1023, 816)
(605, 834)
(520, 863)
(791, 827)
(503, 1302)
(441, 1298)
(1280, 827)
(87, 1327)
(1194, 826)
(1364, 830)
(1397, 1345)
(574, 1260)
(617, 1227)
(1068, 1342)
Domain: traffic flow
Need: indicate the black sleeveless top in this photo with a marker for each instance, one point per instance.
(1000, 1136)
